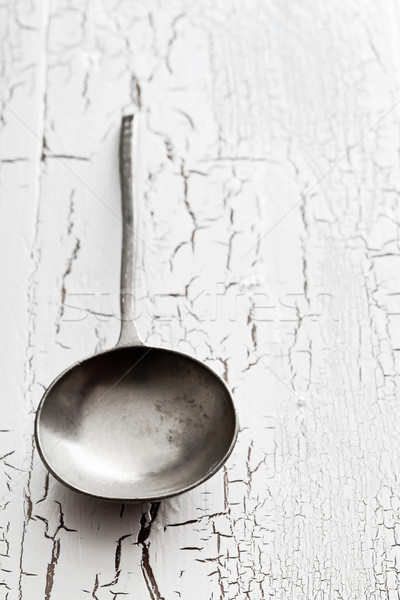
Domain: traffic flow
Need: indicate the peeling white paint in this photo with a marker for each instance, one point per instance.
(269, 247)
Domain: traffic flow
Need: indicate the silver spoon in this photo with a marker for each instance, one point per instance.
(135, 423)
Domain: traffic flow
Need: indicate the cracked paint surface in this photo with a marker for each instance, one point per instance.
(269, 189)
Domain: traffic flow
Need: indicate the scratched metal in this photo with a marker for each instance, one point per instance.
(135, 423)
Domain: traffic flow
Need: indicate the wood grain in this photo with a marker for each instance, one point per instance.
(269, 247)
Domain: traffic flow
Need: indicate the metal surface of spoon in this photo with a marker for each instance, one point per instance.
(135, 422)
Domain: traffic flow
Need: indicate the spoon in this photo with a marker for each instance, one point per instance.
(135, 423)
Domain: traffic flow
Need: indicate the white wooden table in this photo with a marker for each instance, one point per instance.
(269, 248)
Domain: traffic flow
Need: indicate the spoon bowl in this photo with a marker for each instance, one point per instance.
(136, 423)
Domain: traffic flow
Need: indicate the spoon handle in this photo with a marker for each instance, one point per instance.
(127, 146)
